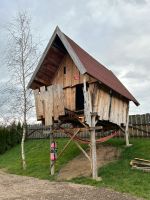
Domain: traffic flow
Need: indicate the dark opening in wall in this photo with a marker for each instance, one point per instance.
(64, 69)
(79, 97)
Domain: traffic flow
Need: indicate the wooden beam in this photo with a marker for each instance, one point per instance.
(37, 83)
(49, 69)
(39, 79)
(54, 60)
(46, 74)
(76, 132)
(81, 129)
(93, 150)
(83, 151)
(52, 166)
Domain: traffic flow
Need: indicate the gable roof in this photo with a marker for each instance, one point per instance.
(86, 64)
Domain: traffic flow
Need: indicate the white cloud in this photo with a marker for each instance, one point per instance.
(115, 32)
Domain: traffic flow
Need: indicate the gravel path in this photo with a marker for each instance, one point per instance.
(15, 187)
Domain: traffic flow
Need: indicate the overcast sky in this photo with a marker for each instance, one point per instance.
(115, 32)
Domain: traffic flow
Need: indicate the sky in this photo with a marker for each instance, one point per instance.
(115, 32)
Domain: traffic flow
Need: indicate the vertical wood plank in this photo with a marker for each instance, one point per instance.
(87, 103)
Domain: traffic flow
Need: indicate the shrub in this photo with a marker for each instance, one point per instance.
(10, 136)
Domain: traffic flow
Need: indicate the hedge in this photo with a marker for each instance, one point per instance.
(9, 137)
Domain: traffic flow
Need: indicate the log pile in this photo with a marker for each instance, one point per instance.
(140, 164)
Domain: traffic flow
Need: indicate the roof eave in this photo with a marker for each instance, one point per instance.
(68, 48)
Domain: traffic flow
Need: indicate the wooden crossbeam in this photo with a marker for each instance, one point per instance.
(76, 132)
(81, 129)
(83, 151)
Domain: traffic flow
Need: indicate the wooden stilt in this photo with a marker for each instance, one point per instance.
(52, 166)
(93, 150)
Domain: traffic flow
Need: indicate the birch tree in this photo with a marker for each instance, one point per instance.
(21, 60)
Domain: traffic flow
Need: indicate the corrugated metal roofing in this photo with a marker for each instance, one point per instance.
(101, 73)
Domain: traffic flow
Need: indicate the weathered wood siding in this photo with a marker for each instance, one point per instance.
(49, 103)
(119, 108)
(38, 104)
(106, 104)
(68, 76)
(70, 96)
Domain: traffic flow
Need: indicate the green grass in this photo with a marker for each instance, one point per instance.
(117, 175)
(37, 154)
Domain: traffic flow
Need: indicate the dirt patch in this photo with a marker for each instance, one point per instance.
(13, 187)
(80, 166)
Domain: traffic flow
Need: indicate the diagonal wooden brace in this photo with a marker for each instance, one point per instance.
(83, 151)
(76, 132)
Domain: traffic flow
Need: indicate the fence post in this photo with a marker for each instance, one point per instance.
(126, 128)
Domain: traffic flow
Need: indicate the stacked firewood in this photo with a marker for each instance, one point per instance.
(140, 164)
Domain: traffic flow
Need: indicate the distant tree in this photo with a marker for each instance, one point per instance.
(21, 59)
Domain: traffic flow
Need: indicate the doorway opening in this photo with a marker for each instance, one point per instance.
(79, 97)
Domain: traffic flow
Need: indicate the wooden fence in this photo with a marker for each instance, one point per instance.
(41, 132)
(139, 126)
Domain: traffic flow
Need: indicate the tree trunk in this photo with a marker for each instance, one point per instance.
(22, 148)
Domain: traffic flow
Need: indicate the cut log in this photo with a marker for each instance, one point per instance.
(140, 164)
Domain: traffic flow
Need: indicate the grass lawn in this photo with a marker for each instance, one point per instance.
(37, 154)
(117, 175)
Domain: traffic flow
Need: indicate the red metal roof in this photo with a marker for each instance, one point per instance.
(101, 73)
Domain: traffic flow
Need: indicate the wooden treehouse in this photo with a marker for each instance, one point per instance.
(70, 86)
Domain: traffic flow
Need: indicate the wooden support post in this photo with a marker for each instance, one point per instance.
(93, 149)
(52, 166)
(126, 129)
(83, 151)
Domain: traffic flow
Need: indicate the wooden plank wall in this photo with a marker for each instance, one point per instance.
(107, 105)
(103, 105)
(70, 97)
(49, 103)
(118, 113)
(38, 104)
(72, 76)
(69, 78)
